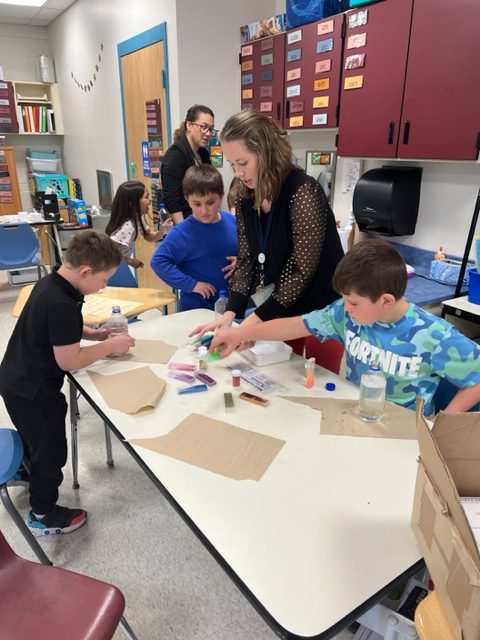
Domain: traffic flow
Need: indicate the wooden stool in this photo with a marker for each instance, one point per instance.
(431, 621)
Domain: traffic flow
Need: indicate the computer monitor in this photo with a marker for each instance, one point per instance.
(105, 190)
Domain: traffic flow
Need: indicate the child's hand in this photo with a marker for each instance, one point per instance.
(225, 321)
(135, 263)
(121, 343)
(100, 334)
(205, 289)
(230, 268)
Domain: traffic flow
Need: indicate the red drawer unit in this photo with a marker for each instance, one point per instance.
(262, 76)
(8, 112)
(313, 60)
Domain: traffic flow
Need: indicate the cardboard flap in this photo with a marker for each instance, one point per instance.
(458, 440)
(439, 473)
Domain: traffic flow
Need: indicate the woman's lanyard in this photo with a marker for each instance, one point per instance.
(262, 243)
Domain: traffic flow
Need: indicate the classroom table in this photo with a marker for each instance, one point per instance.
(324, 533)
(461, 308)
(147, 299)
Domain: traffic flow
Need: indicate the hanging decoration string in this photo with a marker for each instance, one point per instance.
(93, 78)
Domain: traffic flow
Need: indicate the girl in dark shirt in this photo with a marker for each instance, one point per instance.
(288, 241)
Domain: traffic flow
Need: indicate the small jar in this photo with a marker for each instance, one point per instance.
(202, 358)
(236, 373)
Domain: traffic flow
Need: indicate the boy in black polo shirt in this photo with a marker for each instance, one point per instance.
(45, 343)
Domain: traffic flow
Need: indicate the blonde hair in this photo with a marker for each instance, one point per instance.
(261, 136)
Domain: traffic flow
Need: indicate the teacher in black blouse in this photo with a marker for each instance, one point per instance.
(188, 149)
(288, 242)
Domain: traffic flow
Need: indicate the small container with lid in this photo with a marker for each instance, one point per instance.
(202, 358)
(236, 373)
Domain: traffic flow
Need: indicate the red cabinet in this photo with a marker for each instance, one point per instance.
(313, 61)
(371, 96)
(441, 105)
(263, 74)
(418, 93)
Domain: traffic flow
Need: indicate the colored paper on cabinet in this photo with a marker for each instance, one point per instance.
(325, 45)
(357, 61)
(247, 65)
(266, 59)
(267, 75)
(357, 40)
(294, 36)
(266, 91)
(296, 121)
(294, 54)
(358, 19)
(294, 74)
(325, 27)
(266, 43)
(297, 106)
(247, 93)
(293, 91)
(321, 85)
(247, 78)
(323, 65)
(265, 107)
(321, 102)
(247, 51)
(353, 82)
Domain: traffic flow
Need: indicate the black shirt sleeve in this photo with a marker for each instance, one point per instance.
(65, 325)
(173, 170)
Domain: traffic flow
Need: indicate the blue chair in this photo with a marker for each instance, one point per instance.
(11, 456)
(123, 277)
(19, 247)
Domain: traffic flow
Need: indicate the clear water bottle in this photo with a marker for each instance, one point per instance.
(117, 323)
(220, 304)
(372, 394)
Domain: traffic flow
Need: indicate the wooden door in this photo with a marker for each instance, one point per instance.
(314, 77)
(262, 64)
(142, 74)
(441, 109)
(10, 200)
(371, 97)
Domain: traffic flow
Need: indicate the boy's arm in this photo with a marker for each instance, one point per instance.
(165, 260)
(73, 356)
(464, 399)
(282, 329)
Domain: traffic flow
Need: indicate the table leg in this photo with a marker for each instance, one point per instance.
(108, 444)
(74, 439)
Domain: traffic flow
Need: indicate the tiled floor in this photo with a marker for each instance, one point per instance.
(174, 589)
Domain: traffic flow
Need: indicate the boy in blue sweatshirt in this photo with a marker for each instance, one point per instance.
(198, 255)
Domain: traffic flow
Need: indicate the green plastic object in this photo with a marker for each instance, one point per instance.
(360, 3)
(215, 355)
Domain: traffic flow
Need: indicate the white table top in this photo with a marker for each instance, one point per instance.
(325, 528)
(463, 304)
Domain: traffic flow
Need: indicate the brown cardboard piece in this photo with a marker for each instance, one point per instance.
(449, 467)
(149, 352)
(130, 391)
(340, 418)
(217, 446)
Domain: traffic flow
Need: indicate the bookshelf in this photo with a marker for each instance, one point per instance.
(38, 108)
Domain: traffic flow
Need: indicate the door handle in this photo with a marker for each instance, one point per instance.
(406, 132)
(391, 132)
(133, 169)
(279, 111)
(287, 110)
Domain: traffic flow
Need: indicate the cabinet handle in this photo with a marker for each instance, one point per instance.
(288, 109)
(406, 132)
(391, 132)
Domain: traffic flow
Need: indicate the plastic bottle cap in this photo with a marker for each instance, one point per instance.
(330, 386)
(236, 372)
(222, 293)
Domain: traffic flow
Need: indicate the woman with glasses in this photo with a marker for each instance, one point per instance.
(288, 242)
(187, 150)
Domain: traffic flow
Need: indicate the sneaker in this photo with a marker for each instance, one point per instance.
(20, 479)
(60, 520)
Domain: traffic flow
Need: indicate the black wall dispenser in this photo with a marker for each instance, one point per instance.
(385, 200)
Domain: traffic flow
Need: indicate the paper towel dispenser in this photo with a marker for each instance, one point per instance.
(385, 200)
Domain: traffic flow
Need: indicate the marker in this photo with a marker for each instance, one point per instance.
(195, 388)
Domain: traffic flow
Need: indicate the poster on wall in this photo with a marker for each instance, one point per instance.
(153, 113)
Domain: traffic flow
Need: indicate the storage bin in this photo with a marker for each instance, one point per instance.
(44, 164)
(57, 181)
(304, 11)
(45, 155)
(360, 3)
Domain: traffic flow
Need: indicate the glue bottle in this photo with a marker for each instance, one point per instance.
(202, 358)
(440, 255)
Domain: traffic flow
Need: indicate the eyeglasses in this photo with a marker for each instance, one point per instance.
(204, 128)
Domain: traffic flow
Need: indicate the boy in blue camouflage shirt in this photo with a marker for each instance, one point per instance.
(375, 322)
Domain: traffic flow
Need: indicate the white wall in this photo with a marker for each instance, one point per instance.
(93, 123)
(20, 47)
(208, 48)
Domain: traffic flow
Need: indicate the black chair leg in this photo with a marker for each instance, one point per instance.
(24, 530)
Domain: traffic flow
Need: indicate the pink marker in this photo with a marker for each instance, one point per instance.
(182, 366)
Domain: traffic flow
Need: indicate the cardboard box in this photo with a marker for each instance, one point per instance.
(449, 467)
